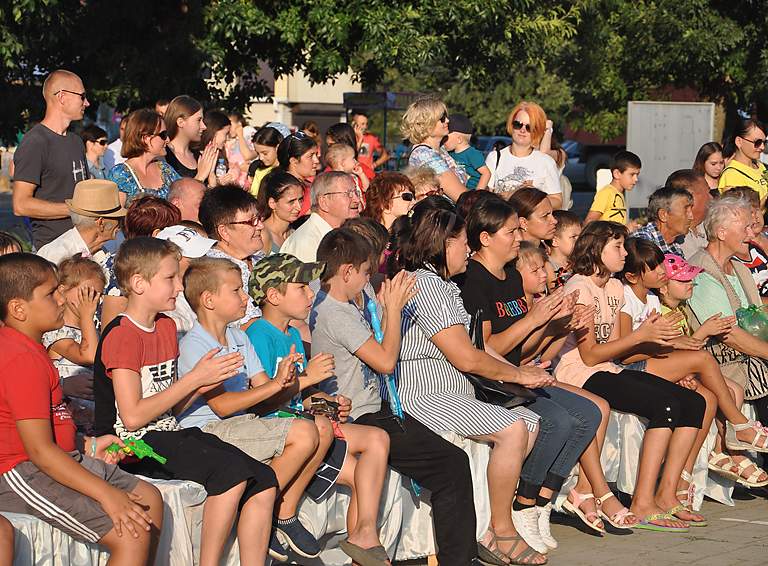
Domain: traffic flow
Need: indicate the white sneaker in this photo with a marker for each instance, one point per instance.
(527, 525)
(544, 532)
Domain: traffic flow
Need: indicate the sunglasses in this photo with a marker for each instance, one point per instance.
(757, 143)
(520, 126)
(102, 142)
(406, 196)
(162, 135)
(444, 116)
(82, 95)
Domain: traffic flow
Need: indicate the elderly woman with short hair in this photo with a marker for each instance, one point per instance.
(725, 286)
(425, 124)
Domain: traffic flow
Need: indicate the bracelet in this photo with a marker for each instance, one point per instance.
(93, 447)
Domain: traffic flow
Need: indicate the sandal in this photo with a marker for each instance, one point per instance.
(689, 493)
(574, 508)
(724, 467)
(691, 522)
(752, 480)
(618, 519)
(525, 557)
(649, 524)
(489, 556)
(733, 443)
(376, 556)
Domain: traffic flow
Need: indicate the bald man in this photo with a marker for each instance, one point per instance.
(186, 194)
(50, 160)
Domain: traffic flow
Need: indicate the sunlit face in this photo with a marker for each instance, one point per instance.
(288, 206)
(533, 274)
(541, 224)
(307, 165)
(348, 163)
(71, 295)
(654, 278)
(399, 206)
(359, 277)
(505, 242)
(457, 254)
(361, 123)
(614, 254)
(747, 147)
(714, 165)
(161, 290)
(297, 300)
(220, 138)
(72, 104)
(452, 141)
(566, 239)
(98, 148)
(440, 129)
(628, 178)
(155, 144)
(737, 234)
(342, 202)
(230, 301)
(678, 290)
(701, 199)
(243, 234)
(679, 217)
(193, 126)
(45, 310)
(267, 154)
(522, 136)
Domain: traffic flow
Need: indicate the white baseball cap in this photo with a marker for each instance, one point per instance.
(192, 244)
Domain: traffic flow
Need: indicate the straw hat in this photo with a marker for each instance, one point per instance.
(97, 198)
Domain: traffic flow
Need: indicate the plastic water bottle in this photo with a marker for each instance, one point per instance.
(221, 168)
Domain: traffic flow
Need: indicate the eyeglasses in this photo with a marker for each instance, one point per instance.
(406, 196)
(350, 193)
(162, 135)
(444, 116)
(757, 143)
(520, 126)
(82, 95)
(431, 193)
(255, 221)
(102, 142)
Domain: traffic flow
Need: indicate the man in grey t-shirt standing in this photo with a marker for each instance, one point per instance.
(50, 161)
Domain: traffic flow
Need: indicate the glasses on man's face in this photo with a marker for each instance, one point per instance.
(102, 142)
(351, 193)
(758, 143)
(82, 95)
(254, 221)
(406, 196)
(444, 116)
(521, 126)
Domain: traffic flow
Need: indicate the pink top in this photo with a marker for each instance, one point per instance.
(608, 301)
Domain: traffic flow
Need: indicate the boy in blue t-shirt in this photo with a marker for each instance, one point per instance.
(460, 130)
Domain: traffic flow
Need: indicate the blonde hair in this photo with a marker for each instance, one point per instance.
(203, 274)
(76, 269)
(422, 177)
(530, 252)
(141, 256)
(536, 115)
(337, 152)
(420, 118)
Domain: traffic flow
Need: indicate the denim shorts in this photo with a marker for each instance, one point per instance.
(636, 366)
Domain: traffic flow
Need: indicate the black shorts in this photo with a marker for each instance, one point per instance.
(197, 456)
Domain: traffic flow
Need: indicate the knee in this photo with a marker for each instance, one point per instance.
(324, 432)
(603, 406)
(304, 435)
(589, 416)
(379, 440)
(710, 400)
(514, 433)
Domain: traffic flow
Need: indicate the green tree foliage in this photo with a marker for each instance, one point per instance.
(583, 59)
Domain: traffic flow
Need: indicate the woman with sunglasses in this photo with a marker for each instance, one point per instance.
(390, 196)
(425, 124)
(95, 140)
(299, 155)
(745, 169)
(520, 164)
(144, 171)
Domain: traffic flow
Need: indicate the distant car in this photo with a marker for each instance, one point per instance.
(485, 143)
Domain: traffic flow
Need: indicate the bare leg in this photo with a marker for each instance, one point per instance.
(683, 439)
(709, 415)
(6, 541)
(510, 447)
(254, 527)
(218, 517)
(300, 446)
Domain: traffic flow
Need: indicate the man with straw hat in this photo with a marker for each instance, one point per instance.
(95, 211)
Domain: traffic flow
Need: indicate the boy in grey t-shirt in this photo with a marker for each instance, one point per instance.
(339, 328)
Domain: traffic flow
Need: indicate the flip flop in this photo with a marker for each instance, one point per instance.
(678, 508)
(648, 524)
(375, 556)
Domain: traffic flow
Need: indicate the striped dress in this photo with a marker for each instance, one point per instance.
(431, 389)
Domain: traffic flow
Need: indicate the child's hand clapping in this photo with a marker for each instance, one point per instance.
(320, 368)
(658, 329)
(211, 369)
(545, 310)
(396, 292)
(286, 375)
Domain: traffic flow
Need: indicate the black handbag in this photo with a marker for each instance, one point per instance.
(502, 393)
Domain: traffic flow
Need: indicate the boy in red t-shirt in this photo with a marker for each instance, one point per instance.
(42, 471)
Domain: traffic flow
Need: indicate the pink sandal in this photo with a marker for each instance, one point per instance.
(591, 519)
(619, 519)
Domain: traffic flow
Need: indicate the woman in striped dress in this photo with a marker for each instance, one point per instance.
(436, 349)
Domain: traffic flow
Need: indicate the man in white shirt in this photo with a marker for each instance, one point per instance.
(334, 200)
(113, 155)
(95, 211)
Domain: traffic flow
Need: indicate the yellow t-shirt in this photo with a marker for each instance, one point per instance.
(739, 175)
(683, 324)
(609, 201)
(257, 177)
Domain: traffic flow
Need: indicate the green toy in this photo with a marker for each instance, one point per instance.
(138, 448)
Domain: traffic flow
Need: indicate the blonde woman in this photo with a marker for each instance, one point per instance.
(522, 165)
(425, 124)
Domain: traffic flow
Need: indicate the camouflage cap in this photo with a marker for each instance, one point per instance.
(277, 269)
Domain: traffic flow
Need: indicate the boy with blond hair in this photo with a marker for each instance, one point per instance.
(290, 446)
(280, 285)
(137, 393)
(44, 471)
(341, 157)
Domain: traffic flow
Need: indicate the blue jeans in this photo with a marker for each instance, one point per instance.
(567, 426)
